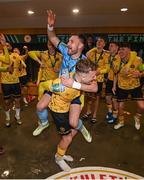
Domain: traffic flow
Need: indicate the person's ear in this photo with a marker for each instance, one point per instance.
(81, 46)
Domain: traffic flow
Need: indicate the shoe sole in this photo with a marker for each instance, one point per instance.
(119, 127)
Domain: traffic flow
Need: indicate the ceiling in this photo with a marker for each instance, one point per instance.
(93, 13)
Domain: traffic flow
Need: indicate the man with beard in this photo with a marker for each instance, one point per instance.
(72, 53)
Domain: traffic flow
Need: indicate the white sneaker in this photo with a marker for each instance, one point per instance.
(7, 122)
(86, 134)
(39, 129)
(14, 108)
(119, 125)
(62, 164)
(137, 123)
(26, 104)
(18, 119)
(68, 158)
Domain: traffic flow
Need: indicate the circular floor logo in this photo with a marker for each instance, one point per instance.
(93, 173)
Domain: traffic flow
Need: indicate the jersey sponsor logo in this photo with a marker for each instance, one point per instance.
(94, 173)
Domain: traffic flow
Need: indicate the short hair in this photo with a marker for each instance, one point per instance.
(82, 38)
(125, 45)
(102, 37)
(84, 66)
(114, 42)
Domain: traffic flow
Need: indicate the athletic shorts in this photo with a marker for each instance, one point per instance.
(9, 90)
(23, 80)
(62, 122)
(136, 94)
(109, 86)
(100, 85)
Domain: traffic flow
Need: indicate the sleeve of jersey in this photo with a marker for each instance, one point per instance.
(6, 58)
(3, 69)
(34, 55)
(44, 86)
(133, 55)
(23, 63)
(62, 47)
(39, 75)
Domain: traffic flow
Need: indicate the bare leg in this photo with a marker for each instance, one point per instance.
(63, 145)
(76, 123)
(43, 103)
(120, 115)
(7, 103)
(74, 114)
(95, 110)
(66, 140)
(17, 108)
(140, 109)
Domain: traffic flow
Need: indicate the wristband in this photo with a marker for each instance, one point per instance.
(50, 28)
(76, 85)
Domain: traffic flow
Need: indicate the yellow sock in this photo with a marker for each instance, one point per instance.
(60, 152)
(121, 119)
(109, 106)
(115, 113)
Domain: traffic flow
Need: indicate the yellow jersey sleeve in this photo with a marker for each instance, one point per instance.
(35, 55)
(5, 58)
(3, 69)
(133, 56)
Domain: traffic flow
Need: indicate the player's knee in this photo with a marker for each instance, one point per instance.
(40, 106)
(73, 124)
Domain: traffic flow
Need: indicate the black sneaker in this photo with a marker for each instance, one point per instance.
(109, 115)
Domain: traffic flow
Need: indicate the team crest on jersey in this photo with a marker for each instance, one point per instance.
(62, 129)
(132, 66)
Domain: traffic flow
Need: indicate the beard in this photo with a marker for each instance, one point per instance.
(72, 52)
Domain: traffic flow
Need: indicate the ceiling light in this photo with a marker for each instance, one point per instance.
(30, 12)
(124, 9)
(75, 11)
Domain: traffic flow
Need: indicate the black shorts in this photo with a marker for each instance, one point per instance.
(109, 86)
(13, 90)
(142, 81)
(100, 85)
(62, 122)
(136, 94)
(23, 80)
